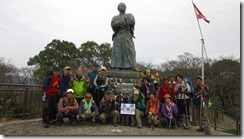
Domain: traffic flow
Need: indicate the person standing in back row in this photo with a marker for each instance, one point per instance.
(51, 85)
(92, 75)
(79, 84)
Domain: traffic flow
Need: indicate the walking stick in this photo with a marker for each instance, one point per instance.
(170, 118)
(200, 120)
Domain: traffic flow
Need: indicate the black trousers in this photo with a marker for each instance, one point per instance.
(183, 106)
(49, 108)
(72, 116)
(98, 95)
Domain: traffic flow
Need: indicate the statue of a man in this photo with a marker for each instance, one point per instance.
(123, 51)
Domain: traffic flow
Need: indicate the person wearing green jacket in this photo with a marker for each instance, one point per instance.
(79, 84)
(140, 109)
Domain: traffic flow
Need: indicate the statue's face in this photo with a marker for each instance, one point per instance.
(122, 7)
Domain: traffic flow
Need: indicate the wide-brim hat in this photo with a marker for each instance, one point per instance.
(167, 96)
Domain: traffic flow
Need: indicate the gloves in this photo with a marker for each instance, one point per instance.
(44, 97)
(150, 113)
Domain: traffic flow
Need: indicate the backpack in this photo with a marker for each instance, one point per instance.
(189, 81)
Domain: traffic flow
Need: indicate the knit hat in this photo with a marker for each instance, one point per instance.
(107, 92)
(171, 75)
(148, 70)
(136, 91)
(167, 96)
(125, 91)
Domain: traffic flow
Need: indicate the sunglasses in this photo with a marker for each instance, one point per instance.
(88, 97)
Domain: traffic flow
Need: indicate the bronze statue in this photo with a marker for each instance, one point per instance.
(123, 51)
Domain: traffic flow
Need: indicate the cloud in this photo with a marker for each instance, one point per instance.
(163, 28)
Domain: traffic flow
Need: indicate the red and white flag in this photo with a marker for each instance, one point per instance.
(199, 14)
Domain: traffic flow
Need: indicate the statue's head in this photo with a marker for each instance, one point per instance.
(122, 7)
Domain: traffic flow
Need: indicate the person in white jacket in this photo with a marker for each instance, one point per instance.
(182, 91)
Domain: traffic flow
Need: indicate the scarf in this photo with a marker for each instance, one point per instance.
(152, 105)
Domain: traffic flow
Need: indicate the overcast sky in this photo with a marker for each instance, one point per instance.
(163, 30)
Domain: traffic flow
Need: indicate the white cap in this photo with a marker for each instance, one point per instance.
(70, 90)
(67, 67)
(103, 68)
(136, 91)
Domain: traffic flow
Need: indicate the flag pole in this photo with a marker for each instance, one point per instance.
(202, 40)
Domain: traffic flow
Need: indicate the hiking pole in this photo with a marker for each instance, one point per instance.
(187, 120)
(170, 123)
(170, 118)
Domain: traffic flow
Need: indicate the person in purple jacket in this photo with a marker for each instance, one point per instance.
(169, 112)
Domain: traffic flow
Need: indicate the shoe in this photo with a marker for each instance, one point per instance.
(157, 125)
(93, 123)
(114, 124)
(73, 123)
(122, 124)
(139, 126)
(180, 124)
(59, 123)
(186, 126)
(53, 122)
(46, 125)
(103, 122)
(127, 124)
(172, 127)
(149, 125)
(132, 125)
(200, 130)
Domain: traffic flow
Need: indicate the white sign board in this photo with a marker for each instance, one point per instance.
(128, 109)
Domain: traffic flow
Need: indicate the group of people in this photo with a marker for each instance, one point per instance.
(163, 102)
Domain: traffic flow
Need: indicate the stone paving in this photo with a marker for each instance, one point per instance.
(34, 127)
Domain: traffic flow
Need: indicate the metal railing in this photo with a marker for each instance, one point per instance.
(20, 100)
(219, 119)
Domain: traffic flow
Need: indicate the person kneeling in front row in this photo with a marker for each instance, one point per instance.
(169, 111)
(68, 107)
(107, 108)
(88, 109)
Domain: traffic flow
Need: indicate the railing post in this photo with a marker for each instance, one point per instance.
(25, 102)
(215, 119)
(238, 125)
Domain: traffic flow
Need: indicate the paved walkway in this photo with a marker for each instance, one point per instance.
(34, 127)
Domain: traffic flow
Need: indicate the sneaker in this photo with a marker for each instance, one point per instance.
(180, 124)
(186, 126)
(200, 130)
(46, 125)
(139, 126)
